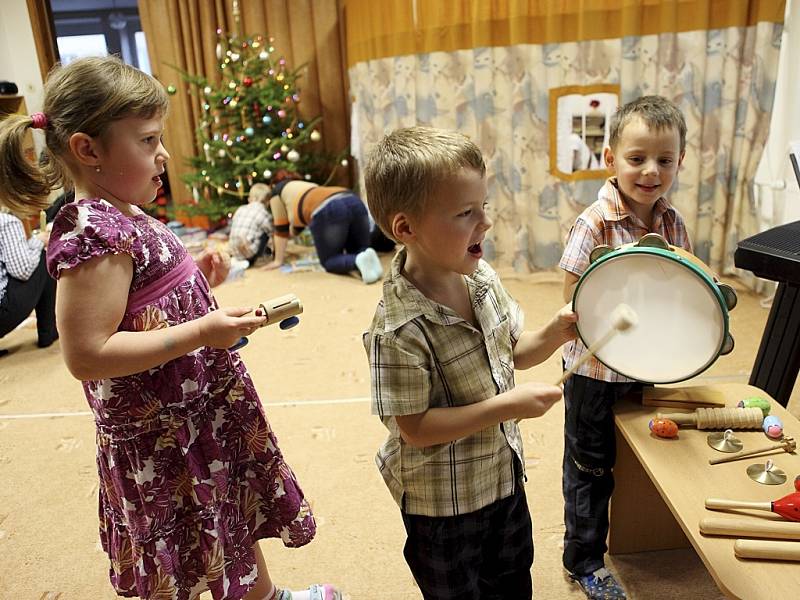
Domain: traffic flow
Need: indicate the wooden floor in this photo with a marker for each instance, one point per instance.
(313, 381)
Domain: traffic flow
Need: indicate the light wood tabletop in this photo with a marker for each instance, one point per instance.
(662, 484)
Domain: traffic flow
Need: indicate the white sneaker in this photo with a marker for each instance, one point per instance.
(369, 265)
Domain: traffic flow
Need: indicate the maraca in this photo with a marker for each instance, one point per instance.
(664, 428)
(788, 507)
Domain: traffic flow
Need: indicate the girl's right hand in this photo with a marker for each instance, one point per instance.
(533, 399)
(223, 327)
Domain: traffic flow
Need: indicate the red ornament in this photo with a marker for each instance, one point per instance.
(247, 81)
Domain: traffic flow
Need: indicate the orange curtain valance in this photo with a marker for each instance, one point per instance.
(399, 27)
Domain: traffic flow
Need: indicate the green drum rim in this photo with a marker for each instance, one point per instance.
(670, 255)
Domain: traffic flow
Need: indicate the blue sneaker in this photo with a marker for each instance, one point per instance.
(600, 585)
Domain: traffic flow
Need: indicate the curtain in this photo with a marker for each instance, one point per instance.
(486, 68)
(183, 33)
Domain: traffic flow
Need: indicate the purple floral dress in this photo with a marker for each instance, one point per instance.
(190, 471)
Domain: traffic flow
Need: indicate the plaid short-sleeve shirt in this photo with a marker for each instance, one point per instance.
(423, 355)
(608, 221)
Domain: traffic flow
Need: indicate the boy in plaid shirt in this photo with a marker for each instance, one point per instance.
(251, 226)
(442, 347)
(646, 147)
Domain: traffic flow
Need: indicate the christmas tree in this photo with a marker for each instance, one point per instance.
(250, 128)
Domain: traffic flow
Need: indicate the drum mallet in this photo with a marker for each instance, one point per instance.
(787, 445)
(281, 310)
(788, 507)
(623, 317)
(718, 418)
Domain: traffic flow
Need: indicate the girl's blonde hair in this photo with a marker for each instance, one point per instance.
(85, 96)
(405, 167)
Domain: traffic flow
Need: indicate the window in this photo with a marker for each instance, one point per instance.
(99, 28)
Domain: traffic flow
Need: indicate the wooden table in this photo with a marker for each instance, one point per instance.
(661, 486)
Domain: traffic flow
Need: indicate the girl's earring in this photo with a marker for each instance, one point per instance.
(97, 169)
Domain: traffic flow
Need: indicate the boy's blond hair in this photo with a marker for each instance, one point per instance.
(405, 167)
(658, 114)
(259, 193)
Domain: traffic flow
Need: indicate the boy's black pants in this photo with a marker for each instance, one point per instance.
(483, 555)
(588, 481)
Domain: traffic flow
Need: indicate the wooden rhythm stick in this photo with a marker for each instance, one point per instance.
(718, 418)
(787, 445)
(767, 549)
(42, 221)
(780, 530)
(623, 317)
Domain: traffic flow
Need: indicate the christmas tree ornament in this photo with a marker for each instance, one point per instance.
(344, 162)
(207, 90)
(284, 148)
(266, 119)
(247, 81)
(267, 174)
(171, 89)
(249, 132)
(293, 156)
(315, 136)
(263, 55)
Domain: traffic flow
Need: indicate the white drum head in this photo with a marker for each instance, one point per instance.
(681, 325)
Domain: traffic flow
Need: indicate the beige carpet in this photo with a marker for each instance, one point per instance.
(313, 381)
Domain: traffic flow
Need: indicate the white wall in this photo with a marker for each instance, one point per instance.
(18, 60)
(776, 186)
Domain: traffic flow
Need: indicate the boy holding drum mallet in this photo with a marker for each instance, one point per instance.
(646, 148)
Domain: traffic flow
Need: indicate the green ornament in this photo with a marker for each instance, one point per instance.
(171, 89)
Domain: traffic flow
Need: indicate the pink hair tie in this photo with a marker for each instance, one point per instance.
(39, 120)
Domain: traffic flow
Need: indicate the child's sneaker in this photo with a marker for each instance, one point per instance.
(322, 591)
(368, 263)
(600, 585)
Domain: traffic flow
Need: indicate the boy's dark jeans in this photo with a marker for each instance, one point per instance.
(483, 555)
(588, 481)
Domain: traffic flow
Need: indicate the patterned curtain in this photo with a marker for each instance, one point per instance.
(486, 68)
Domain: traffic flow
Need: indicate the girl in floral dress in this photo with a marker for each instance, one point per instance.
(190, 472)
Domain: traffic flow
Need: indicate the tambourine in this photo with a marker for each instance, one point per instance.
(682, 310)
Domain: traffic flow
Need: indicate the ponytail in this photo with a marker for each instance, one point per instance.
(24, 186)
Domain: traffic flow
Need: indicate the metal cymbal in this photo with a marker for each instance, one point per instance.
(724, 441)
(766, 473)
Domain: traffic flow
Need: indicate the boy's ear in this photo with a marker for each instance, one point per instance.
(680, 158)
(83, 148)
(402, 228)
(608, 158)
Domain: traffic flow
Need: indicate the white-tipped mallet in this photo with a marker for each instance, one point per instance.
(622, 318)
